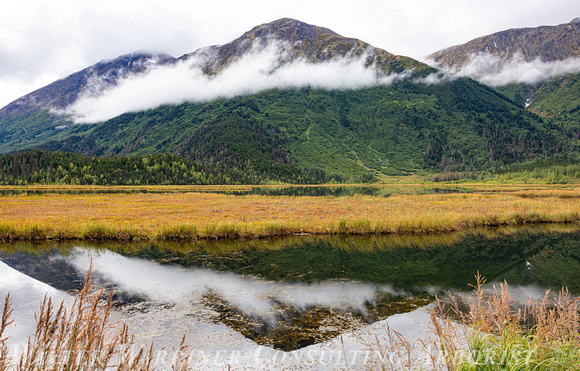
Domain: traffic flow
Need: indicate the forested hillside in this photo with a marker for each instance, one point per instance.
(47, 167)
(387, 130)
(408, 119)
(557, 98)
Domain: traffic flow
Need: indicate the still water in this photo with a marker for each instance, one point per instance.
(312, 191)
(294, 292)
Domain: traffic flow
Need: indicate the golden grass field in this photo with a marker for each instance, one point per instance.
(185, 213)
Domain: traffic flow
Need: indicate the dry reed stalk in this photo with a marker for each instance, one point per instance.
(81, 337)
(542, 335)
(450, 334)
(5, 321)
(394, 351)
(183, 356)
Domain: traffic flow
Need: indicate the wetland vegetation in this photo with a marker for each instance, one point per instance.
(199, 215)
(389, 248)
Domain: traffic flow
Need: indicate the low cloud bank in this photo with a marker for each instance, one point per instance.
(495, 71)
(255, 297)
(263, 68)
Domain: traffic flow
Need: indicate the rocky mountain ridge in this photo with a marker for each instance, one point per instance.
(298, 40)
(548, 43)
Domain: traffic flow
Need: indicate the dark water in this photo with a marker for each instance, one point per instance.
(278, 291)
(314, 191)
(546, 255)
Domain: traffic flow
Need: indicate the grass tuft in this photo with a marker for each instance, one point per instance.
(81, 337)
(543, 335)
(182, 232)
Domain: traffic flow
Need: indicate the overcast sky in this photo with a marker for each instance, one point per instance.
(41, 41)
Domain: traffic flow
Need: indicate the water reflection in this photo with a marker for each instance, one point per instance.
(545, 254)
(449, 261)
(292, 292)
(312, 191)
(264, 311)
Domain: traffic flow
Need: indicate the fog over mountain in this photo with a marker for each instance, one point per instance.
(263, 67)
(525, 55)
(285, 53)
(495, 71)
(41, 41)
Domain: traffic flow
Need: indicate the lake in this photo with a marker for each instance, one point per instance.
(294, 293)
(312, 191)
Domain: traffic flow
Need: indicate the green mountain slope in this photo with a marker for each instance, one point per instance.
(557, 98)
(386, 130)
(307, 134)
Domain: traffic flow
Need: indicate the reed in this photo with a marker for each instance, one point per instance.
(489, 332)
(5, 321)
(493, 335)
(81, 337)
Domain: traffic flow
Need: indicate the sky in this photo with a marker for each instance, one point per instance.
(42, 41)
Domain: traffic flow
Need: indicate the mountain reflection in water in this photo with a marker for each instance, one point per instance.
(309, 287)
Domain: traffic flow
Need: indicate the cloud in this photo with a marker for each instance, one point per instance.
(436, 78)
(495, 71)
(255, 297)
(46, 40)
(266, 66)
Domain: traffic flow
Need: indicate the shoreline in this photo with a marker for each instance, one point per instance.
(97, 234)
(190, 216)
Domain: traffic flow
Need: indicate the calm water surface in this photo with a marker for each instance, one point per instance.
(293, 292)
(314, 191)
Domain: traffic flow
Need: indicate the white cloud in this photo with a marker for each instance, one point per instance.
(436, 78)
(255, 297)
(41, 41)
(495, 71)
(261, 69)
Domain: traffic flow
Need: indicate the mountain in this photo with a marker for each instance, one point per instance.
(407, 120)
(548, 43)
(311, 43)
(38, 117)
(62, 93)
(551, 53)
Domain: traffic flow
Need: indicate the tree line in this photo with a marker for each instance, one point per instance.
(54, 167)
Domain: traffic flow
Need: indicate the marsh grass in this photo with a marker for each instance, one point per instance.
(190, 216)
(81, 336)
(493, 334)
(486, 333)
(111, 233)
(489, 332)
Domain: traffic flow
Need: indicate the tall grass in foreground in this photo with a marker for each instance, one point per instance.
(80, 337)
(493, 335)
(487, 333)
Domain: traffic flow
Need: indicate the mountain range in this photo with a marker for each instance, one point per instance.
(288, 97)
(549, 53)
(548, 43)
